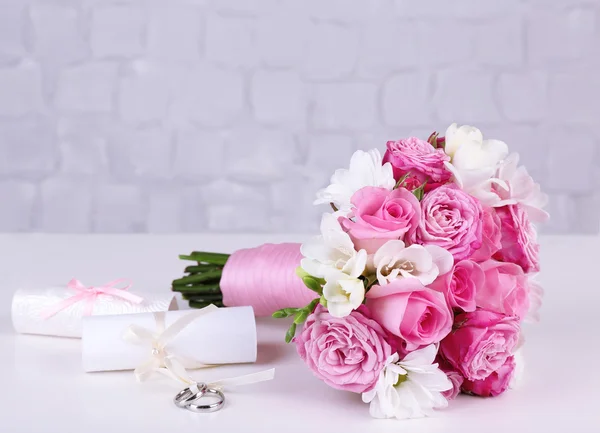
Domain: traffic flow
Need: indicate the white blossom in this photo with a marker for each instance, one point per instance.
(410, 388)
(344, 293)
(394, 260)
(333, 249)
(475, 161)
(365, 169)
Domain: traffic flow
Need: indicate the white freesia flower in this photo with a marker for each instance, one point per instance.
(332, 250)
(365, 170)
(521, 188)
(410, 388)
(475, 161)
(394, 260)
(343, 292)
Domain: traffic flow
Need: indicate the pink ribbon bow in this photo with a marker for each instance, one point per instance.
(89, 295)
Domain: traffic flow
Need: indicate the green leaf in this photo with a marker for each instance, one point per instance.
(323, 301)
(420, 191)
(312, 284)
(433, 139)
(291, 332)
(401, 180)
(311, 307)
(301, 272)
(301, 317)
(284, 312)
(279, 314)
(370, 280)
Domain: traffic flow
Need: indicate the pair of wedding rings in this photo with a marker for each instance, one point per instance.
(190, 398)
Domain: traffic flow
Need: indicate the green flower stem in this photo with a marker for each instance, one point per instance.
(211, 276)
(201, 304)
(196, 269)
(203, 260)
(212, 288)
(204, 257)
(201, 284)
(208, 253)
(205, 297)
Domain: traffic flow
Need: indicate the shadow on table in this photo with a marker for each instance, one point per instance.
(269, 353)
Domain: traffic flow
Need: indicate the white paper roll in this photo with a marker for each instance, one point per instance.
(223, 336)
(29, 304)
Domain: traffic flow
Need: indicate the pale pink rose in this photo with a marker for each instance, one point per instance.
(381, 215)
(460, 286)
(493, 385)
(491, 236)
(481, 344)
(519, 239)
(506, 289)
(536, 294)
(455, 378)
(522, 189)
(418, 157)
(346, 353)
(410, 311)
(451, 219)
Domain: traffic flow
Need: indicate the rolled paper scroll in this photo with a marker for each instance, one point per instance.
(58, 310)
(152, 341)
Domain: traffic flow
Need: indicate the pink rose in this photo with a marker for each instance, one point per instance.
(482, 343)
(451, 219)
(411, 183)
(536, 294)
(346, 353)
(493, 385)
(506, 289)
(454, 376)
(460, 286)
(519, 239)
(491, 236)
(381, 215)
(411, 311)
(419, 158)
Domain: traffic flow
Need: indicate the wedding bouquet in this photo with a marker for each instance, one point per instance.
(419, 282)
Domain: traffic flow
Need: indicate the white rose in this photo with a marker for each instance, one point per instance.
(456, 136)
(475, 161)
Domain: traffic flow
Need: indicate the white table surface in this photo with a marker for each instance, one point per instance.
(43, 388)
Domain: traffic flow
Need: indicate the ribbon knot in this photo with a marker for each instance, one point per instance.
(90, 294)
(161, 360)
(172, 365)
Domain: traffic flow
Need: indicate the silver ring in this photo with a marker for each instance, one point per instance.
(211, 407)
(187, 396)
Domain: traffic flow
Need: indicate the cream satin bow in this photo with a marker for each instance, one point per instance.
(172, 365)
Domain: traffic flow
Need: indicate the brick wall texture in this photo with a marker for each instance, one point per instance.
(228, 115)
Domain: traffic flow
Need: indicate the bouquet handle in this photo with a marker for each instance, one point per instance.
(263, 278)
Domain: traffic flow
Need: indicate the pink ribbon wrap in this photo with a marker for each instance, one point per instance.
(265, 278)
